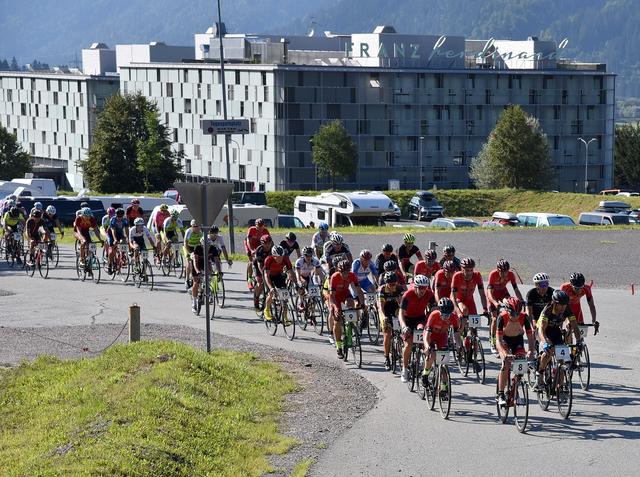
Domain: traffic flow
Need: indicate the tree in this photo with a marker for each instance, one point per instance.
(14, 64)
(627, 155)
(4, 65)
(334, 153)
(127, 127)
(516, 154)
(14, 162)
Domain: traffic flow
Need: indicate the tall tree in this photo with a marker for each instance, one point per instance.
(14, 64)
(14, 162)
(334, 152)
(627, 155)
(122, 132)
(4, 65)
(516, 154)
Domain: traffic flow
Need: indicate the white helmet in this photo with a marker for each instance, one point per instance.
(51, 209)
(540, 277)
(421, 281)
(138, 221)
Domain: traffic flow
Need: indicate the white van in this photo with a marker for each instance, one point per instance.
(340, 209)
(243, 215)
(541, 219)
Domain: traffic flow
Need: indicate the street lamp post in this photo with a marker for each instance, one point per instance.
(586, 161)
(315, 166)
(420, 159)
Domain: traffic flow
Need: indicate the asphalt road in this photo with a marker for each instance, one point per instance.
(400, 436)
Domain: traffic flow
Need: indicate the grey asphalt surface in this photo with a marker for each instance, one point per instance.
(400, 436)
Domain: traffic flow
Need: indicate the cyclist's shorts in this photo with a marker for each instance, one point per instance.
(35, 236)
(119, 236)
(86, 235)
(141, 243)
(214, 252)
(386, 321)
(555, 335)
(279, 281)
(440, 340)
(515, 344)
(169, 235)
(412, 322)
(471, 305)
(577, 311)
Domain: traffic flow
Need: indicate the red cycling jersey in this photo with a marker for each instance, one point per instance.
(574, 299)
(84, 224)
(442, 283)
(439, 328)
(414, 306)
(463, 289)
(273, 268)
(498, 285)
(509, 327)
(340, 285)
(252, 241)
(423, 268)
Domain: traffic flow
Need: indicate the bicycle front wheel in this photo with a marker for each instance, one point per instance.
(147, 274)
(396, 354)
(356, 347)
(420, 390)
(29, 269)
(166, 263)
(411, 382)
(503, 411)
(373, 326)
(584, 367)
(43, 265)
(521, 405)
(564, 392)
(289, 321)
(272, 324)
(432, 385)
(544, 391)
(55, 255)
(220, 294)
(478, 360)
(94, 268)
(318, 316)
(444, 393)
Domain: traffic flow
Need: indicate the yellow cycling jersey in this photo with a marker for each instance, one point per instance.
(11, 221)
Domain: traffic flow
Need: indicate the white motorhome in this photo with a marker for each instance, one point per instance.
(243, 215)
(28, 188)
(340, 209)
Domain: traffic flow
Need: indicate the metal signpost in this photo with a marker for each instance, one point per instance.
(205, 201)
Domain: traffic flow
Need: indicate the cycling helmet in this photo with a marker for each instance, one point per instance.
(164, 207)
(51, 210)
(446, 305)
(409, 238)
(323, 226)
(135, 202)
(174, 213)
(37, 213)
(259, 222)
(194, 223)
(387, 247)
(390, 266)
(560, 297)
(14, 211)
(277, 250)
(365, 254)
(344, 266)
(467, 263)
(449, 266)
(336, 238)
(266, 238)
(390, 277)
(577, 280)
(421, 281)
(503, 265)
(449, 249)
(120, 212)
(111, 211)
(86, 211)
(307, 251)
(431, 255)
(138, 221)
(540, 277)
(11, 202)
(214, 229)
(513, 304)
(84, 204)
(37, 205)
(290, 236)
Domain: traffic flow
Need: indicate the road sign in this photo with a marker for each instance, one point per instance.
(225, 126)
(204, 200)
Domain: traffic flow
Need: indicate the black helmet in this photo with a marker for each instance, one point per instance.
(290, 236)
(37, 214)
(390, 277)
(307, 251)
(468, 263)
(344, 266)
(214, 229)
(446, 305)
(119, 212)
(390, 266)
(560, 297)
(387, 247)
(14, 211)
(449, 249)
(577, 280)
(503, 265)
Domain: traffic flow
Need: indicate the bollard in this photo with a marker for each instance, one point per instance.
(134, 323)
(432, 245)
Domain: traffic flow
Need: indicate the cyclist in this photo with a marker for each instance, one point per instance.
(436, 333)
(290, 243)
(407, 250)
(538, 297)
(197, 257)
(442, 280)
(106, 220)
(575, 289)
(392, 267)
(134, 211)
(339, 285)
(463, 285)
(385, 256)
(137, 233)
(260, 254)
(449, 253)
(50, 219)
(277, 267)
(82, 206)
(118, 232)
(511, 326)
(82, 226)
(366, 271)
(8, 202)
(217, 241)
(550, 323)
(171, 230)
(429, 266)
(306, 266)
(415, 305)
(320, 238)
(157, 225)
(192, 238)
(335, 248)
(251, 243)
(497, 291)
(36, 206)
(13, 221)
(32, 231)
(388, 305)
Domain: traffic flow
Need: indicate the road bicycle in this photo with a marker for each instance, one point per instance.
(172, 261)
(216, 283)
(475, 361)
(351, 336)
(516, 393)
(415, 360)
(396, 346)
(141, 269)
(121, 264)
(202, 297)
(557, 381)
(310, 308)
(580, 360)
(91, 266)
(282, 313)
(438, 384)
(373, 320)
(53, 253)
(37, 260)
(13, 248)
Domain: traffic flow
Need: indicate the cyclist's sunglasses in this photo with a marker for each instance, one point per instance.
(544, 284)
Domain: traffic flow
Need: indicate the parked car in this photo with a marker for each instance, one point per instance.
(453, 223)
(395, 215)
(502, 219)
(540, 219)
(424, 206)
(66, 207)
(289, 222)
(629, 194)
(603, 218)
(256, 198)
(172, 194)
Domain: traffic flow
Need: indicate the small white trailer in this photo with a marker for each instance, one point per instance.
(343, 209)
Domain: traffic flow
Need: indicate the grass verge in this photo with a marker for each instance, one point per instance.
(147, 409)
(302, 468)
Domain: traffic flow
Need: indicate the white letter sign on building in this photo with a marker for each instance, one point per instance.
(222, 126)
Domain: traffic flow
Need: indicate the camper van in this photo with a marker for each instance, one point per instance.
(243, 215)
(343, 209)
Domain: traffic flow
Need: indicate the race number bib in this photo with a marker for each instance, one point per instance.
(562, 353)
(520, 366)
(370, 299)
(417, 336)
(474, 321)
(442, 357)
(314, 292)
(583, 330)
(350, 316)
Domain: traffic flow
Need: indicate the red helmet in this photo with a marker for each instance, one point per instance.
(431, 255)
(514, 304)
(449, 266)
(265, 238)
(135, 202)
(468, 263)
(259, 222)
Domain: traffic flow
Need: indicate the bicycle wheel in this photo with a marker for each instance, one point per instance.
(200, 302)
(80, 270)
(373, 326)
(544, 392)
(124, 267)
(29, 269)
(420, 390)
(521, 404)
(396, 354)
(136, 273)
(261, 301)
(356, 347)
(564, 392)
(178, 265)
(220, 294)
(444, 392)
(43, 264)
(411, 382)
(460, 358)
(289, 320)
(478, 360)
(583, 364)
(148, 273)
(300, 316)
(94, 268)
(430, 390)
(318, 316)
(272, 325)
(166, 264)
(503, 411)
(55, 255)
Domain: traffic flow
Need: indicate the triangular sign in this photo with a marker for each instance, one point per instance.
(205, 199)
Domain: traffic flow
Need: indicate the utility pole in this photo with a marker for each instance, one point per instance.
(586, 161)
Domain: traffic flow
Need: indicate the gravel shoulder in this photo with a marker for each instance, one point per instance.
(330, 399)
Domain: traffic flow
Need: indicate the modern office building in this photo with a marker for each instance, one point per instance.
(418, 107)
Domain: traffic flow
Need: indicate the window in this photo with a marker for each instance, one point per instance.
(556, 112)
(230, 92)
(23, 109)
(73, 126)
(237, 77)
(242, 172)
(44, 137)
(556, 142)
(187, 106)
(169, 89)
(565, 96)
(321, 215)
(268, 173)
(209, 169)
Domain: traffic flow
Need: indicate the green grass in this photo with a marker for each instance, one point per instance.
(302, 468)
(147, 409)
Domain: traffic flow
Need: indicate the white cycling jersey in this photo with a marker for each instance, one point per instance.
(306, 269)
(143, 232)
(217, 243)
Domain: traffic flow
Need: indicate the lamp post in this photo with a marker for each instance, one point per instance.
(420, 159)
(586, 161)
(315, 167)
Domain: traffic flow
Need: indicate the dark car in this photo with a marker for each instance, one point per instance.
(289, 222)
(424, 206)
(256, 198)
(66, 207)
